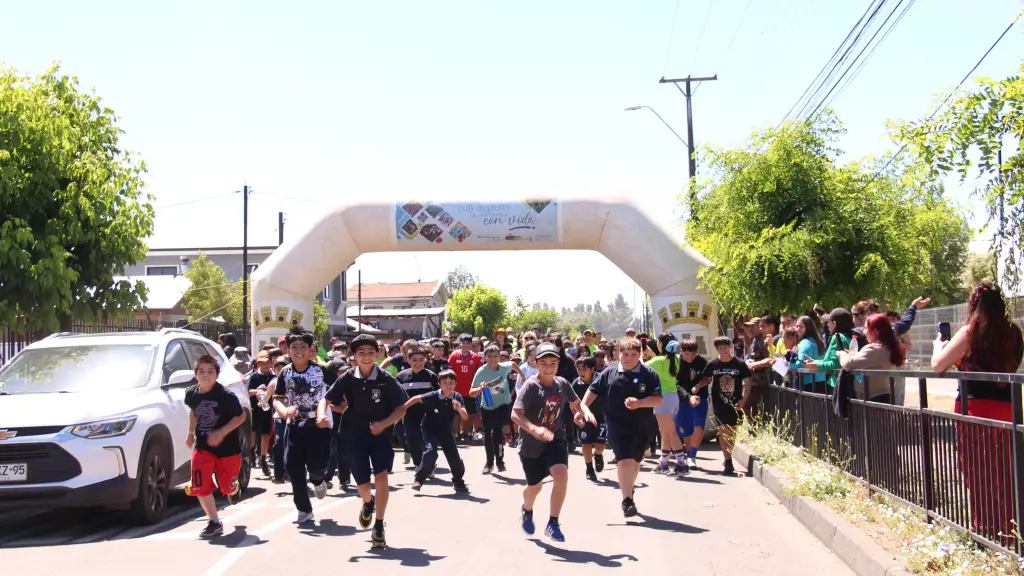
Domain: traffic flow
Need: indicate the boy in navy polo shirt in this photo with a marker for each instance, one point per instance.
(592, 436)
(631, 391)
(372, 401)
(539, 412)
(415, 381)
(439, 408)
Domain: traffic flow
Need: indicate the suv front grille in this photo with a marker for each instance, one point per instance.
(47, 462)
(35, 430)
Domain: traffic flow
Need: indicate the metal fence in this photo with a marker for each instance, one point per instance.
(13, 340)
(926, 326)
(955, 468)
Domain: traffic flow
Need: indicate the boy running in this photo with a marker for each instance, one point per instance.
(631, 392)
(465, 362)
(308, 441)
(727, 375)
(262, 420)
(372, 401)
(439, 408)
(491, 382)
(415, 381)
(214, 414)
(544, 451)
(592, 437)
(693, 401)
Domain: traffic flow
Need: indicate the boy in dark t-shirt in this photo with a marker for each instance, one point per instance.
(439, 408)
(415, 381)
(693, 401)
(372, 401)
(214, 414)
(592, 436)
(544, 452)
(728, 377)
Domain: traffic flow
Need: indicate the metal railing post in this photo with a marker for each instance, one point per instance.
(926, 448)
(800, 414)
(1018, 451)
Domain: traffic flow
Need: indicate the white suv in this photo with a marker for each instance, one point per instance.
(89, 419)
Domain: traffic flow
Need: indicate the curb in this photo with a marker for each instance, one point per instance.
(856, 549)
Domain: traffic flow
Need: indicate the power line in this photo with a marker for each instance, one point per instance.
(731, 42)
(193, 201)
(671, 36)
(945, 100)
(702, 31)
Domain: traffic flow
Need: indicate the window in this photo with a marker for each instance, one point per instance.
(327, 292)
(174, 359)
(195, 350)
(161, 270)
(373, 307)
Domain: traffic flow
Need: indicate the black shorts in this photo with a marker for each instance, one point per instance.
(369, 453)
(469, 403)
(725, 413)
(630, 442)
(262, 421)
(591, 434)
(537, 469)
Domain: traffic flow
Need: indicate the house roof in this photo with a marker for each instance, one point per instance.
(162, 292)
(353, 312)
(384, 290)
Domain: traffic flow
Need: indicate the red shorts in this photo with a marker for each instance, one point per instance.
(205, 465)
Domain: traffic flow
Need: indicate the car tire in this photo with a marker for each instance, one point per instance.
(150, 505)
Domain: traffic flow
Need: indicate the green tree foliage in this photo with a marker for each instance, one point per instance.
(980, 268)
(74, 213)
(787, 226)
(478, 309)
(611, 321)
(458, 278)
(211, 294)
(320, 317)
(967, 139)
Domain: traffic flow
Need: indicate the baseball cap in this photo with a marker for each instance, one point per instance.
(363, 340)
(547, 349)
(241, 355)
(281, 341)
(263, 356)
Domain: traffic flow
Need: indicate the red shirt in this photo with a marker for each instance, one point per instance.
(465, 368)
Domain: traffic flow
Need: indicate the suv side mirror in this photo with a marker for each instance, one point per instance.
(181, 377)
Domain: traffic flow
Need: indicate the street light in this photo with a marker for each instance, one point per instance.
(655, 112)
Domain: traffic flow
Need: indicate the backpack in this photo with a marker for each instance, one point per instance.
(844, 388)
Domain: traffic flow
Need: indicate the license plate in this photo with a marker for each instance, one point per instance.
(13, 472)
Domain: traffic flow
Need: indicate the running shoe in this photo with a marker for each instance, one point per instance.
(501, 466)
(487, 469)
(682, 469)
(264, 467)
(728, 469)
(526, 521)
(277, 481)
(691, 462)
(629, 508)
(554, 531)
(329, 484)
(591, 475)
(599, 462)
(460, 486)
(659, 469)
(408, 458)
(366, 513)
(304, 517)
(212, 530)
(320, 490)
(417, 485)
(514, 442)
(478, 437)
(377, 538)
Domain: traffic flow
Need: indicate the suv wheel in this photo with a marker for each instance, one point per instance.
(245, 470)
(150, 505)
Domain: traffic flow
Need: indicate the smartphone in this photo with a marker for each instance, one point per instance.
(944, 331)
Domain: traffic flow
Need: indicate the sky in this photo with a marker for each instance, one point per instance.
(315, 103)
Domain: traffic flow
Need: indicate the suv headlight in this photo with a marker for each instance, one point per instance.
(104, 429)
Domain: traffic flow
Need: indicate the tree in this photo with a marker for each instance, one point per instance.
(616, 319)
(536, 318)
(74, 210)
(980, 268)
(210, 294)
(320, 316)
(458, 278)
(967, 139)
(786, 226)
(476, 310)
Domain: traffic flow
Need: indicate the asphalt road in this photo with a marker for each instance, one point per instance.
(705, 524)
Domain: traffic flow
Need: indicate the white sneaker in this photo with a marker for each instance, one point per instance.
(320, 490)
(304, 517)
(408, 458)
(691, 462)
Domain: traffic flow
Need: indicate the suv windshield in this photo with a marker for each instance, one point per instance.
(78, 369)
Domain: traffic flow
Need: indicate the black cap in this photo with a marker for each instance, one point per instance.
(547, 349)
(363, 340)
(836, 314)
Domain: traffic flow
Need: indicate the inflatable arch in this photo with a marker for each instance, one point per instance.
(660, 262)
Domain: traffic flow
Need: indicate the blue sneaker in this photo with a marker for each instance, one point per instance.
(554, 531)
(526, 521)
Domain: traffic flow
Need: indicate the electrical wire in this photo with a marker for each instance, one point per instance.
(234, 300)
(734, 34)
(700, 40)
(193, 201)
(671, 36)
(945, 100)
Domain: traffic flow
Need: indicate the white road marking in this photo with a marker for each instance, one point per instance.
(237, 512)
(236, 553)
